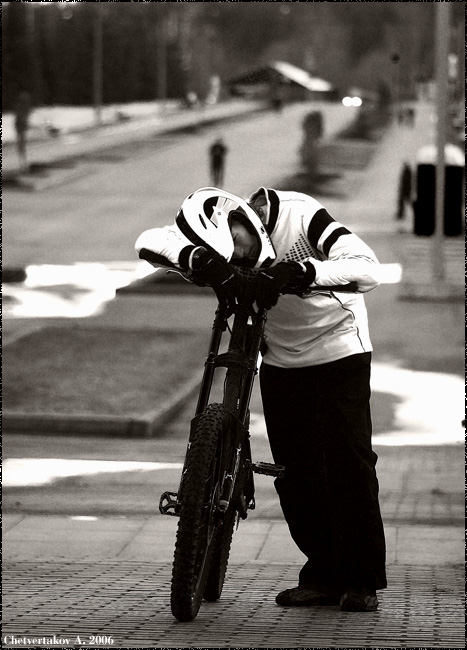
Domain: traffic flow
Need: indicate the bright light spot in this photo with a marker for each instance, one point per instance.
(83, 518)
(19, 472)
(70, 291)
(85, 275)
(390, 273)
(352, 101)
(431, 408)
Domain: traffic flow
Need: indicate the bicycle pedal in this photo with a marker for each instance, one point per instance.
(269, 469)
(168, 504)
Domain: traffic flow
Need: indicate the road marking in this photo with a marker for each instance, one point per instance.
(22, 472)
(69, 291)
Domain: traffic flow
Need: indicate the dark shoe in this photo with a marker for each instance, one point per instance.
(302, 596)
(359, 600)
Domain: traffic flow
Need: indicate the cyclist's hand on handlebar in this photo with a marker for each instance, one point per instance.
(304, 277)
(212, 269)
(268, 284)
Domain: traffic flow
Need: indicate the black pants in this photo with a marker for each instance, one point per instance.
(319, 426)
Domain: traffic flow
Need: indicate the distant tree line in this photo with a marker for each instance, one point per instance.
(153, 49)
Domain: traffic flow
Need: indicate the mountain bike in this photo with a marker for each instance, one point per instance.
(216, 488)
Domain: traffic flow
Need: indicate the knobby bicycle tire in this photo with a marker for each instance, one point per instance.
(197, 525)
(220, 556)
(223, 539)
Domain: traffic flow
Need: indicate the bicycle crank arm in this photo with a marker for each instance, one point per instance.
(269, 469)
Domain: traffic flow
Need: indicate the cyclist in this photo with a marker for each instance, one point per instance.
(315, 373)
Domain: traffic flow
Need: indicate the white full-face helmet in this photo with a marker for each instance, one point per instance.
(205, 218)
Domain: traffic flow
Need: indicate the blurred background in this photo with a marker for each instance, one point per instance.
(111, 112)
(80, 54)
(110, 115)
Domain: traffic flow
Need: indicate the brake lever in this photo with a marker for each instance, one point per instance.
(180, 274)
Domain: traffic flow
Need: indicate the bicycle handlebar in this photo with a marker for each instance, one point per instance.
(351, 287)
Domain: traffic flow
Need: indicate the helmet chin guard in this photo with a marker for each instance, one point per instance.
(205, 218)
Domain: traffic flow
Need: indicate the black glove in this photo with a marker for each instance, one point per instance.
(268, 284)
(212, 269)
(301, 281)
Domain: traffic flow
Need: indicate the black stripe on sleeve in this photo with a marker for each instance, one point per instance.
(274, 210)
(333, 237)
(318, 225)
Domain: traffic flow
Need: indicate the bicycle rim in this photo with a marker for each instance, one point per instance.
(220, 557)
(197, 525)
(224, 534)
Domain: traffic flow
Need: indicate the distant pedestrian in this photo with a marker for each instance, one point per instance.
(217, 154)
(405, 191)
(276, 103)
(22, 113)
(275, 96)
(411, 117)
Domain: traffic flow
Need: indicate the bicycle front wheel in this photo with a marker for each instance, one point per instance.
(220, 556)
(224, 533)
(198, 514)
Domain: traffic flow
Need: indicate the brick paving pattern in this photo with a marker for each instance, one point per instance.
(130, 602)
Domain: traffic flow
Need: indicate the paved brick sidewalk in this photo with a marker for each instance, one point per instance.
(129, 602)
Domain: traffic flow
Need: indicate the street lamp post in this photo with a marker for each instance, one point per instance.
(442, 50)
(98, 64)
(396, 85)
(162, 61)
(34, 44)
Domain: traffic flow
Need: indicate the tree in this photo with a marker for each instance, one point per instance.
(178, 46)
(17, 66)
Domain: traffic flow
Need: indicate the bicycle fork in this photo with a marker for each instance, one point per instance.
(240, 362)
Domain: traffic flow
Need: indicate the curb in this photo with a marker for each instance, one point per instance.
(145, 426)
(154, 419)
(31, 184)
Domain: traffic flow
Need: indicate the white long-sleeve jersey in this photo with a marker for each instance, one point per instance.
(319, 328)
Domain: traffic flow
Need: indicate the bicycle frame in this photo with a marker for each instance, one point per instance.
(241, 358)
(240, 361)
